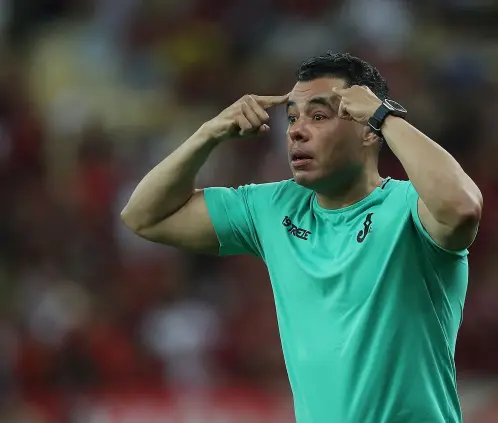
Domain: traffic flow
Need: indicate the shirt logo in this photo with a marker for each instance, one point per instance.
(366, 228)
(294, 230)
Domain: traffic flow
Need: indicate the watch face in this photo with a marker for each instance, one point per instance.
(393, 105)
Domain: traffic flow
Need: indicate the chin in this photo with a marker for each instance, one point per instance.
(305, 179)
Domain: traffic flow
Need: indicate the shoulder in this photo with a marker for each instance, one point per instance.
(281, 192)
(395, 186)
(405, 197)
(398, 191)
(256, 198)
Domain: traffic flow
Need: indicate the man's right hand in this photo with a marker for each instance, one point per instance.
(246, 117)
(165, 207)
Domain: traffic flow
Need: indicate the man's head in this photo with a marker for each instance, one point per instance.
(325, 151)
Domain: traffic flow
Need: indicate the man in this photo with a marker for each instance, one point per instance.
(369, 274)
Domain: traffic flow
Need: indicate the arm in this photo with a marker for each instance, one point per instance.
(450, 202)
(165, 207)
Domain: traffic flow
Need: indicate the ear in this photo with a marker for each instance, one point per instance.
(369, 137)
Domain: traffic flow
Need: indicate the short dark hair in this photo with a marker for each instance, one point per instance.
(353, 70)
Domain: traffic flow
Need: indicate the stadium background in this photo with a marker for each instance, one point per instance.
(97, 325)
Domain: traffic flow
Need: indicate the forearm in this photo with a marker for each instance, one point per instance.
(167, 187)
(448, 192)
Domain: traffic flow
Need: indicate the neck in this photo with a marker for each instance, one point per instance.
(350, 192)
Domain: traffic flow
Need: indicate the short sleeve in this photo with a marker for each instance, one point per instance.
(412, 199)
(231, 213)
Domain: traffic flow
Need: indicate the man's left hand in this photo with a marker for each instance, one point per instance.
(357, 103)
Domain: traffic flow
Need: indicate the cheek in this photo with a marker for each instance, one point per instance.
(288, 141)
(348, 129)
(349, 134)
(336, 136)
(357, 130)
(338, 145)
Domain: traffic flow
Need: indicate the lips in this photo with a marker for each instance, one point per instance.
(300, 159)
(300, 155)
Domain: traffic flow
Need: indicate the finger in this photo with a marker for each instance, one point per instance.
(266, 101)
(264, 128)
(251, 116)
(260, 112)
(335, 102)
(243, 124)
(339, 91)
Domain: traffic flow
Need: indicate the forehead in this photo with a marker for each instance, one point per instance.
(321, 87)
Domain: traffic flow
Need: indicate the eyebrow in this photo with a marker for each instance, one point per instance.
(318, 100)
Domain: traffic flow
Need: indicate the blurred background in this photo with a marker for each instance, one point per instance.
(98, 326)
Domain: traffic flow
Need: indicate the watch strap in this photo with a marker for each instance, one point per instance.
(388, 107)
(376, 121)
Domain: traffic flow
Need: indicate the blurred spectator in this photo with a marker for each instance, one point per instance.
(95, 92)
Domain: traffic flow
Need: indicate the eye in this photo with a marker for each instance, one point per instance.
(318, 117)
(291, 119)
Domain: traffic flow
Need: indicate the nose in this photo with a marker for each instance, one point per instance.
(298, 133)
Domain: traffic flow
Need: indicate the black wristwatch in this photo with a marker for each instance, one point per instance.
(388, 107)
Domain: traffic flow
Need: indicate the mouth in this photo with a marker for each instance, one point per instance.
(300, 159)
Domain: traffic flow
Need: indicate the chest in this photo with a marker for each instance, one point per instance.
(340, 257)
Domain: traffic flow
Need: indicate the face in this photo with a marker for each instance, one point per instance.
(324, 150)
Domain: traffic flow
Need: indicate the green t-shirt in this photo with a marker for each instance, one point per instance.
(368, 305)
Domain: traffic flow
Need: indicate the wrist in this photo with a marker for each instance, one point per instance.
(206, 135)
(389, 121)
(387, 109)
(394, 129)
(373, 109)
